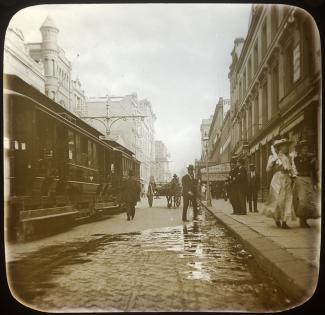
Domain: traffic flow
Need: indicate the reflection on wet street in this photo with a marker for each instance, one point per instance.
(195, 267)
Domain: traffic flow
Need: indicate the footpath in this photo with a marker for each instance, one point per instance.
(291, 256)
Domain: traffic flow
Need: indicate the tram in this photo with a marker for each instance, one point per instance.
(57, 169)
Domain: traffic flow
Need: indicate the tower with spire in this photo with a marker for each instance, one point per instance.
(49, 55)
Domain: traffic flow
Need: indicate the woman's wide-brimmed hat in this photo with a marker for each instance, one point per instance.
(282, 141)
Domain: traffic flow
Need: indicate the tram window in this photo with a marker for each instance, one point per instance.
(16, 145)
(90, 154)
(23, 146)
(95, 159)
(6, 143)
(71, 144)
(78, 149)
(84, 151)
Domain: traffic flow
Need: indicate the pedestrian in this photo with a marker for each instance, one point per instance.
(305, 188)
(203, 191)
(252, 188)
(151, 190)
(189, 193)
(279, 204)
(232, 185)
(130, 194)
(242, 183)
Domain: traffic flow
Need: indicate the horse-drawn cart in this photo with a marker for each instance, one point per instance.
(170, 190)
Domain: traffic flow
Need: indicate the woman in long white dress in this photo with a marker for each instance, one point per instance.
(279, 204)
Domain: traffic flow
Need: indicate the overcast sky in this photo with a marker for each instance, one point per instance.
(175, 55)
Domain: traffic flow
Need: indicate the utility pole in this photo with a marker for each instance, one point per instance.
(107, 121)
(208, 193)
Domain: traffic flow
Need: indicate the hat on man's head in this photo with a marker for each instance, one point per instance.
(190, 167)
(175, 176)
(282, 141)
(252, 165)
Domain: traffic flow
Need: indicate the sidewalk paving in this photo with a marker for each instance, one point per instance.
(290, 256)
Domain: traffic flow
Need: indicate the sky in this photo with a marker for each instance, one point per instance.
(175, 55)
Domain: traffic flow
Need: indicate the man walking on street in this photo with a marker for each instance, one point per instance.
(189, 193)
(232, 185)
(130, 194)
(242, 186)
(252, 188)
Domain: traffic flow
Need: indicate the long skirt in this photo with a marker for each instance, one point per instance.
(305, 198)
(279, 204)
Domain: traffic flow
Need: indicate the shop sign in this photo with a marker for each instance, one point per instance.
(218, 169)
(214, 177)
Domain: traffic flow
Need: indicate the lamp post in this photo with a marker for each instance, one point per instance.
(208, 193)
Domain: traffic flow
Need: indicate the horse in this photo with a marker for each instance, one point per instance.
(165, 190)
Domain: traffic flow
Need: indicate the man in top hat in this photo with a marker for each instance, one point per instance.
(252, 187)
(189, 192)
(241, 181)
(130, 194)
(232, 185)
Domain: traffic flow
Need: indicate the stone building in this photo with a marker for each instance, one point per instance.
(275, 83)
(17, 60)
(214, 134)
(137, 134)
(224, 144)
(44, 66)
(162, 172)
(204, 129)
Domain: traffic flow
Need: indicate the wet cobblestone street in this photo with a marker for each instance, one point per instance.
(197, 266)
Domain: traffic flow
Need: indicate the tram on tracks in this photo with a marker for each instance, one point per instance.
(57, 169)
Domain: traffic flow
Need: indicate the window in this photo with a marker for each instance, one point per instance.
(244, 82)
(90, 154)
(264, 103)
(264, 40)
(275, 89)
(255, 57)
(249, 121)
(274, 20)
(288, 68)
(249, 71)
(255, 115)
(296, 60)
(71, 146)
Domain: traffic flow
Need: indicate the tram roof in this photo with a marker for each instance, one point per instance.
(16, 86)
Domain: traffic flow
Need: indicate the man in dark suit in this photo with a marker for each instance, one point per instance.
(232, 185)
(130, 194)
(241, 181)
(252, 188)
(189, 193)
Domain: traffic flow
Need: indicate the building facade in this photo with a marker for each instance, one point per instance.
(136, 134)
(204, 130)
(275, 84)
(214, 134)
(17, 60)
(44, 65)
(162, 172)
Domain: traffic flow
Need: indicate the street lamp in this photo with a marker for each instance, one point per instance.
(208, 193)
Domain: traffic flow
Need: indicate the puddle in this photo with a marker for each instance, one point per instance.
(202, 253)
